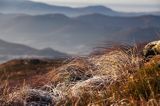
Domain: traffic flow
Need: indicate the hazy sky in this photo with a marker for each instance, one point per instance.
(121, 5)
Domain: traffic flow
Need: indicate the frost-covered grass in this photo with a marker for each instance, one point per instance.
(118, 78)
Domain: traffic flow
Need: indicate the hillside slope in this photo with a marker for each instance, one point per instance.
(10, 51)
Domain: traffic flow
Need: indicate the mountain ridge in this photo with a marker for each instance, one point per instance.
(31, 7)
(73, 34)
(10, 51)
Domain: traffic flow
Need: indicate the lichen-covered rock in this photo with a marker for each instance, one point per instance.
(151, 49)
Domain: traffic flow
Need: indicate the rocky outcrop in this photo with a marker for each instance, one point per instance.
(151, 49)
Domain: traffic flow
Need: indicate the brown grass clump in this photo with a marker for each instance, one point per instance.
(76, 70)
(146, 81)
(92, 91)
(111, 72)
(28, 97)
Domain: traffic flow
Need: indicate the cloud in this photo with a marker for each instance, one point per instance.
(103, 1)
(120, 5)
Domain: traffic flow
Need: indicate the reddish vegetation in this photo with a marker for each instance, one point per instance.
(27, 71)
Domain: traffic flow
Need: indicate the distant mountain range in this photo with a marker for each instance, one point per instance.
(71, 30)
(10, 51)
(77, 34)
(34, 8)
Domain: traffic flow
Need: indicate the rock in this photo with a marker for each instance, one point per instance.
(30, 97)
(151, 49)
(38, 98)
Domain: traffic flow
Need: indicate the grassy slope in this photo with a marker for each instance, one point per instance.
(17, 72)
(118, 77)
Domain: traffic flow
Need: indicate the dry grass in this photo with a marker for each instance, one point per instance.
(118, 77)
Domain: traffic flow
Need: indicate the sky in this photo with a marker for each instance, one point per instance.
(119, 5)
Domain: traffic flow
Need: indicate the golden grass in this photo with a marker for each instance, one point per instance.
(118, 77)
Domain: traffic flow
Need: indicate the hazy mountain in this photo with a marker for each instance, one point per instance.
(12, 50)
(79, 34)
(30, 7)
(134, 35)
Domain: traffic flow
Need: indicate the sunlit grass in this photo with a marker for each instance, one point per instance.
(118, 77)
